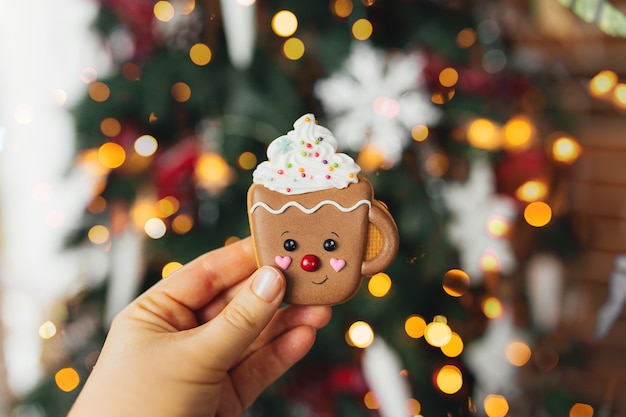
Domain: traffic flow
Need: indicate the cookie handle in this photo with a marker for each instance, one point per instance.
(385, 230)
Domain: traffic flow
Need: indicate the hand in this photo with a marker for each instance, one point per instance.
(204, 341)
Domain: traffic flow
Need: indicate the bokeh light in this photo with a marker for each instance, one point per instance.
(146, 145)
(362, 29)
(360, 334)
(413, 407)
(131, 71)
(518, 353)
(47, 330)
(414, 326)
(167, 206)
(342, 8)
(484, 134)
(565, 149)
(538, 213)
(293, 49)
(97, 205)
(437, 164)
(181, 92)
(98, 234)
(247, 161)
(619, 95)
(370, 401)
(164, 11)
(496, 406)
(437, 333)
(67, 379)
(602, 83)
(497, 226)
(518, 133)
(88, 75)
(448, 77)
(182, 224)
(99, 92)
(492, 307)
(110, 127)
(284, 23)
(212, 170)
(419, 132)
(170, 267)
(200, 54)
(489, 261)
(449, 379)
(581, 410)
(466, 38)
(456, 282)
(531, 190)
(155, 228)
(379, 284)
(370, 158)
(454, 347)
(111, 155)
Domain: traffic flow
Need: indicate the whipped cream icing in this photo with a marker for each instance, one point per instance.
(305, 160)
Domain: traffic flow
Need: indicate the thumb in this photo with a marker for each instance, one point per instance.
(244, 318)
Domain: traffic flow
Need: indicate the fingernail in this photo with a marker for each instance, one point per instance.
(267, 283)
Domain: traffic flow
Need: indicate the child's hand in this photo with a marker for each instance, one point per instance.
(204, 341)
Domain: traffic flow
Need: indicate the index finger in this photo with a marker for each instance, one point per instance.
(198, 282)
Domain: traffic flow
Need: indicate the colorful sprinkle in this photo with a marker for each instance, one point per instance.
(327, 177)
(307, 119)
(351, 175)
(316, 154)
(303, 175)
(308, 145)
(336, 165)
(288, 189)
(324, 161)
(302, 142)
(317, 141)
(331, 169)
(304, 153)
(289, 165)
(300, 169)
(320, 138)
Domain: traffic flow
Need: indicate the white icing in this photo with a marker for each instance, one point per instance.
(312, 209)
(305, 160)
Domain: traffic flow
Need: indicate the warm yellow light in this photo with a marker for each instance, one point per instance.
(518, 353)
(97, 205)
(47, 330)
(182, 224)
(497, 226)
(419, 133)
(531, 191)
(437, 334)
(362, 29)
(167, 206)
(437, 164)
(67, 379)
(284, 23)
(155, 228)
(181, 92)
(164, 11)
(565, 149)
(146, 145)
(170, 268)
(602, 83)
(142, 210)
(342, 8)
(581, 410)
(247, 160)
(619, 95)
(99, 91)
(484, 134)
(370, 158)
(449, 379)
(456, 282)
(414, 326)
(379, 284)
(492, 307)
(110, 127)
(448, 77)
(370, 401)
(200, 54)
(538, 214)
(360, 334)
(98, 234)
(413, 407)
(111, 155)
(212, 170)
(466, 38)
(496, 406)
(489, 261)
(518, 133)
(454, 347)
(293, 49)
(188, 6)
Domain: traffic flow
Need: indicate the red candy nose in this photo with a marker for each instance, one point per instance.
(310, 263)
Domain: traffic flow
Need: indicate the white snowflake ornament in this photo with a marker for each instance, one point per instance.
(376, 98)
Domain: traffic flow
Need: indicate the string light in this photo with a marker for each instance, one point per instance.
(293, 49)
(155, 228)
(581, 410)
(602, 83)
(342, 8)
(181, 92)
(247, 161)
(379, 284)
(67, 379)
(489, 261)
(466, 38)
(362, 29)
(531, 191)
(437, 333)
(110, 126)
(492, 308)
(47, 330)
(449, 379)
(414, 326)
(565, 149)
(413, 407)
(98, 234)
(97, 205)
(496, 406)
(170, 267)
(484, 134)
(99, 92)
(167, 206)
(182, 224)
(538, 213)
(163, 11)
(518, 133)
(284, 23)
(419, 132)
(454, 347)
(200, 54)
(370, 401)
(518, 353)
(448, 77)
(360, 334)
(111, 155)
(456, 282)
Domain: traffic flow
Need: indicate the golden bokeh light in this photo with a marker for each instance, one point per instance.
(414, 326)
(419, 133)
(531, 190)
(284, 23)
(454, 347)
(602, 83)
(110, 127)
(67, 379)
(437, 333)
(182, 224)
(448, 77)
(456, 282)
(142, 210)
(167, 206)
(164, 11)
(466, 38)
(47, 330)
(497, 226)
(342, 8)
(111, 155)
(619, 95)
(247, 161)
(212, 170)
(538, 214)
(581, 410)
(379, 284)
(370, 401)
(518, 133)
(492, 307)
(99, 92)
(437, 164)
(146, 145)
(496, 406)
(170, 267)
(181, 92)
(362, 29)
(489, 261)
(98, 234)
(370, 158)
(200, 54)
(155, 228)
(188, 6)
(231, 239)
(449, 379)
(97, 205)
(518, 353)
(484, 134)
(360, 334)
(413, 407)
(565, 149)
(293, 49)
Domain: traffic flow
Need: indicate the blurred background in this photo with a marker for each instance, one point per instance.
(129, 130)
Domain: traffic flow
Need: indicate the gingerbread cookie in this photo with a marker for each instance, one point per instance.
(313, 216)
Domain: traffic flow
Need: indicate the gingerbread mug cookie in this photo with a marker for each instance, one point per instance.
(313, 216)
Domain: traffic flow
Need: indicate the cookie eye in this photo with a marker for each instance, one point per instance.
(290, 245)
(330, 245)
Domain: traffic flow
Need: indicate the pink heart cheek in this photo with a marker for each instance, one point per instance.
(337, 264)
(283, 261)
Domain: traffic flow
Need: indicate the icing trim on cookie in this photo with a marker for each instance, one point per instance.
(311, 210)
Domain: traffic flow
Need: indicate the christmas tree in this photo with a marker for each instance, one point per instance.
(457, 138)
